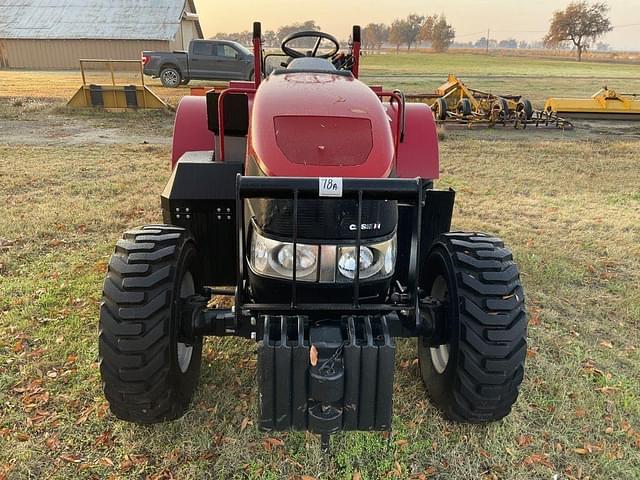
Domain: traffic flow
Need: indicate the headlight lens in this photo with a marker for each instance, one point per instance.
(376, 260)
(347, 262)
(275, 259)
(305, 260)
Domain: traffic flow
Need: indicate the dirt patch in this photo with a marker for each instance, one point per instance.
(24, 121)
(53, 130)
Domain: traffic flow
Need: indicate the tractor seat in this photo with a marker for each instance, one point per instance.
(311, 64)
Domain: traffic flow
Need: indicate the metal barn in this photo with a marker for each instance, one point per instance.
(55, 34)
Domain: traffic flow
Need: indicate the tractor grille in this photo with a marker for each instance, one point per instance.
(323, 220)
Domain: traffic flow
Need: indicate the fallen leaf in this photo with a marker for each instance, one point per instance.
(606, 344)
(524, 440)
(245, 422)
(401, 443)
(105, 439)
(19, 346)
(270, 443)
(313, 355)
(430, 471)
(52, 442)
(84, 415)
(538, 458)
(356, 476)
(534, 318)
(607, 390)
(581, 451)
(71, 458)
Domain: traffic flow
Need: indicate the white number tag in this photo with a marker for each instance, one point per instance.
(330, 186)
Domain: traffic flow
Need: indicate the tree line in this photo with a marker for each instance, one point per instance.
(578, 26)
(410, 31)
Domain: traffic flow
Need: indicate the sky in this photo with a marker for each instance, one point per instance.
(519, 19)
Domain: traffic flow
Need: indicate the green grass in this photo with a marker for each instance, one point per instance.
(531, 77)
(472, 64)
(567, 203)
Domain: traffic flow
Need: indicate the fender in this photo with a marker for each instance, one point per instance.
(418, 153)
(190, 130)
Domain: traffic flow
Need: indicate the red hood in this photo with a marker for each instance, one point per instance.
(320, 124)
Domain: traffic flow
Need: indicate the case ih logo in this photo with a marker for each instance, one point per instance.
(366, 226)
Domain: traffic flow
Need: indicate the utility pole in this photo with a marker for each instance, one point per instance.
(488, 33)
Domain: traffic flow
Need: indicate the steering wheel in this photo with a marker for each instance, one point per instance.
(293, 53)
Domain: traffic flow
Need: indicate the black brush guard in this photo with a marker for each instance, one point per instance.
(347, 382)
(326, 367)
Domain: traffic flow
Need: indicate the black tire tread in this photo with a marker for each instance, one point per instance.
(493, 327)
(134, 337)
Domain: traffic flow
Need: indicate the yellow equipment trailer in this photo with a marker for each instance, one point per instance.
(453, 102)
(114, 96)
(606, 104)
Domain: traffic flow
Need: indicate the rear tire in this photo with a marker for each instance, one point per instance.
(476, 376)
(526, 107)
(149, 371)
(440, 108)
(170, 77)
(464, 107)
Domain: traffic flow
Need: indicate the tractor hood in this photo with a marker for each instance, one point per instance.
(310, 124)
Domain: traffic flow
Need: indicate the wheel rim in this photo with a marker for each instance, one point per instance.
(170, 77)
(184, 350)
(440, 354)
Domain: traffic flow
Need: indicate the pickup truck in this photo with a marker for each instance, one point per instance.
(205, 60)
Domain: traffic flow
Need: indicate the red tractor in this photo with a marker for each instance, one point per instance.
(308, 197)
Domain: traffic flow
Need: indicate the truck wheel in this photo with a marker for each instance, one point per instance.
(170, 77)
(185, 81)
(149, 369)
(475, 376)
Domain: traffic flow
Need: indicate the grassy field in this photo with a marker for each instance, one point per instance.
(568, 203)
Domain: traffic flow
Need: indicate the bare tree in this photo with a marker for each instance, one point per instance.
(397, 33)
(407, 31)
(580, 23)
(443, 35)
(426, 33)
(374, 35)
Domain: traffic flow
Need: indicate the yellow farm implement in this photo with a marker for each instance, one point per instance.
(606, 104)
(454, 102)
(115, 96)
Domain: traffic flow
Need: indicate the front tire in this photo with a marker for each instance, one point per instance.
(149, 369)
(475, 376)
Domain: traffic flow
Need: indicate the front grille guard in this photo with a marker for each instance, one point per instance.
(404, 191)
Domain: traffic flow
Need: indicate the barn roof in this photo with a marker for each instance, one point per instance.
(93, 19)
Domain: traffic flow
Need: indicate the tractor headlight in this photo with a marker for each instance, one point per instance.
(377, 259)
(273, 258)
